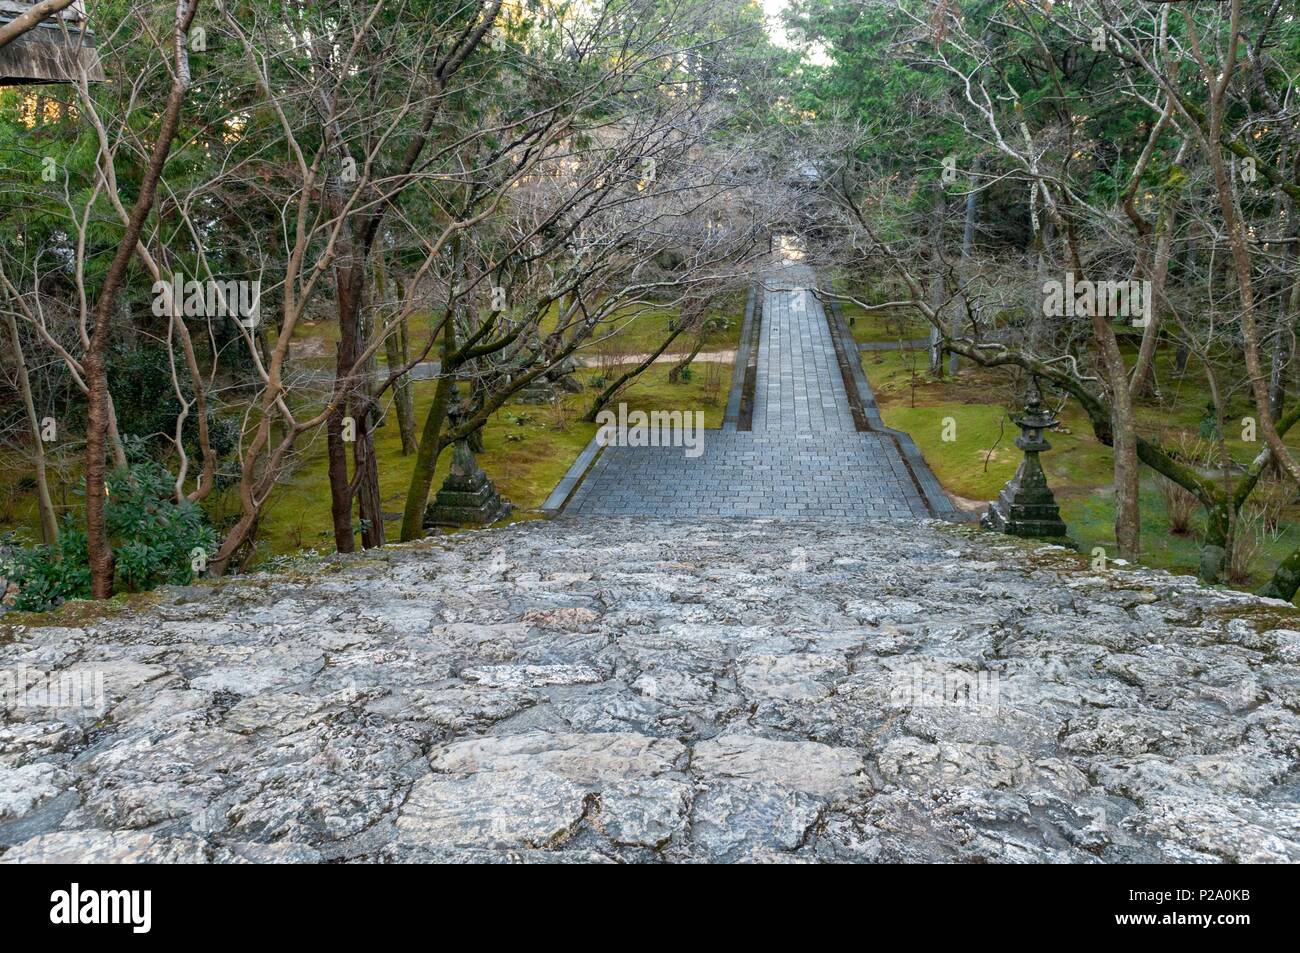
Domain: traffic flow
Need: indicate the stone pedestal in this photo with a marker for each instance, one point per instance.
(467, 496)
(540, 391)
(1026, 507)
(565, 376)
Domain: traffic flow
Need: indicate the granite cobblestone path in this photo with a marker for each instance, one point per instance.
(803, 459)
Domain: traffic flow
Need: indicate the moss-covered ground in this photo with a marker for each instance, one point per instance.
(962, 426)
(527, 447)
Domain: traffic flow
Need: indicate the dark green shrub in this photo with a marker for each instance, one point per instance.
(48, 576)
(154, 543)
(146, 405)
(153, 537)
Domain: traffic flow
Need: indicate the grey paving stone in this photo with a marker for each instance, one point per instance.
(803, 457)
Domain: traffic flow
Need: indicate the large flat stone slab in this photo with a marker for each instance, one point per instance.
(591, 759)
(729, 691)
(805, 766)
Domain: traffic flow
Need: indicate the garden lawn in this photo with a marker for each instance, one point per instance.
(872, 327)
(983, 456)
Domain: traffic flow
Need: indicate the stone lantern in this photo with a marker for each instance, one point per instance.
(467, 497)
(1026, 507)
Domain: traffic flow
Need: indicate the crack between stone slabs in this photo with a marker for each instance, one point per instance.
(806, 836)
(589, 800)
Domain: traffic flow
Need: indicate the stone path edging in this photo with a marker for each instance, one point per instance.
(572, 477)
(731, 418)
(929, 485)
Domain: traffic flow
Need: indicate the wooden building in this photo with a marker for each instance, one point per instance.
(57, 50)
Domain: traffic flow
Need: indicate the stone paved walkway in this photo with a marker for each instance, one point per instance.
(798, 388)
(628, 690)
(834, 475)
(803, 458)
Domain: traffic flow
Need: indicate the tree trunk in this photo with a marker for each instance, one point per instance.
(1144, 377)
(364, 462)
(49, 519)
(967, 244)
(1277, 370)
(1039, 329)
(1285, 580)
(1235, 231)
(238, 534)
(426, 458)
(1128, 520)
(1127, 467)
(1284, 340)
(614, 388)
(405, 396)
(96, 376)
(336, 448)
(340, 483)
(349, 286)
(1214, 550)
(675, 374)
(396, 350)
(936, 278)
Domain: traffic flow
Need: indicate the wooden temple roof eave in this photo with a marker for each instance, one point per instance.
(56, 50)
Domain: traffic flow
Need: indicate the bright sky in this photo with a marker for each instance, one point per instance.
(773, 8)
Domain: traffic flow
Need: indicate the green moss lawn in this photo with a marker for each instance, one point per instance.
(983, 456)
(527, 448)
